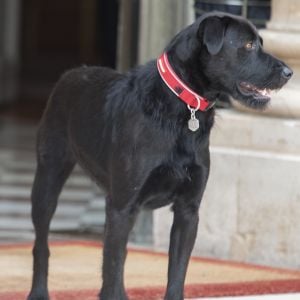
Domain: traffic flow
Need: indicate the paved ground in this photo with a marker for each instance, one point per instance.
(265, 297)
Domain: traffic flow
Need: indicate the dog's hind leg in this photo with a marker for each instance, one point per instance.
(55, 163)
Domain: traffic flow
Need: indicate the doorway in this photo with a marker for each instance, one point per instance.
(58, 35)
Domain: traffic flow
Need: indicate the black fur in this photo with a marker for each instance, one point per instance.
(129, 132)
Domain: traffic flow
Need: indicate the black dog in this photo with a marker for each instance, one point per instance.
(136, 137)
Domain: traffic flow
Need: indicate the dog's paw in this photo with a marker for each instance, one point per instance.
(38, 296)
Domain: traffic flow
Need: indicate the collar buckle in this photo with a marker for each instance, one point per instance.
(210, 105)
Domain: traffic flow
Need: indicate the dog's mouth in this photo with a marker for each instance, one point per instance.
(248, 89)
(252, 95)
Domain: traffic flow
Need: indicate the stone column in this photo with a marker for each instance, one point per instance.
(282, 39)
(126, 34)
(159, 22)
(9, 49)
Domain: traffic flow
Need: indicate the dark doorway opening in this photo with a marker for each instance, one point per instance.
(58, 35)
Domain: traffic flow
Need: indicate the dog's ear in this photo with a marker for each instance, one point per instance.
(213, 34)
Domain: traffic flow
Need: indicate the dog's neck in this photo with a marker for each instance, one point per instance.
(179, 88)
(191, 73)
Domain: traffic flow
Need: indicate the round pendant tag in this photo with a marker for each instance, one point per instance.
(193, 124)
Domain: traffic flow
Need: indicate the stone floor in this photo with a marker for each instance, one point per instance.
(265, 297)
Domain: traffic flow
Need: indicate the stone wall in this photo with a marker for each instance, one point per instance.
(251, 207)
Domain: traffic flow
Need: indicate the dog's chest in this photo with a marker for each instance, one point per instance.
(166, 184)
(179, 176)
(164, 165)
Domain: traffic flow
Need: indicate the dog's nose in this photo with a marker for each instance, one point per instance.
(287, 72)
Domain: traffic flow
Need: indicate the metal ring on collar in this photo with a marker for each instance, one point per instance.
(198, 105)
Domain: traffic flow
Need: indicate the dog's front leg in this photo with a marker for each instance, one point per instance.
(117, 228)
(184, 230)
(183, 235)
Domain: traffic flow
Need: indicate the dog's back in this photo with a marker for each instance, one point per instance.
(73, 87)
(68, 115)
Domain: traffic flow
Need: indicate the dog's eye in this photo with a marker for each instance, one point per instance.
(249, 45)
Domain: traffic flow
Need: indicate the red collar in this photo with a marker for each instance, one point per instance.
(180, 89)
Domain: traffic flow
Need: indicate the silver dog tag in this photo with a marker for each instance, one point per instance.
(193, 122)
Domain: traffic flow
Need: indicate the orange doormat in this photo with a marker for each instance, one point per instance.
(75, 274)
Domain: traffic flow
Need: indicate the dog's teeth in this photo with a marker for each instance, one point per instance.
(264, 92)
(252, 88)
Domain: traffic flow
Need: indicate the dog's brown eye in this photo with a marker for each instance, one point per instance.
(249, 45)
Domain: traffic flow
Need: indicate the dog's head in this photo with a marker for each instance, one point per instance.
(222, 53)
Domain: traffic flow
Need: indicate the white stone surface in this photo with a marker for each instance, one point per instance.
(251, 207)
(263, 297)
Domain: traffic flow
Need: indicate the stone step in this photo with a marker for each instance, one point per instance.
(27, 179)
(94, 214)
(25, 192)
(10, 208)
(25, 224)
